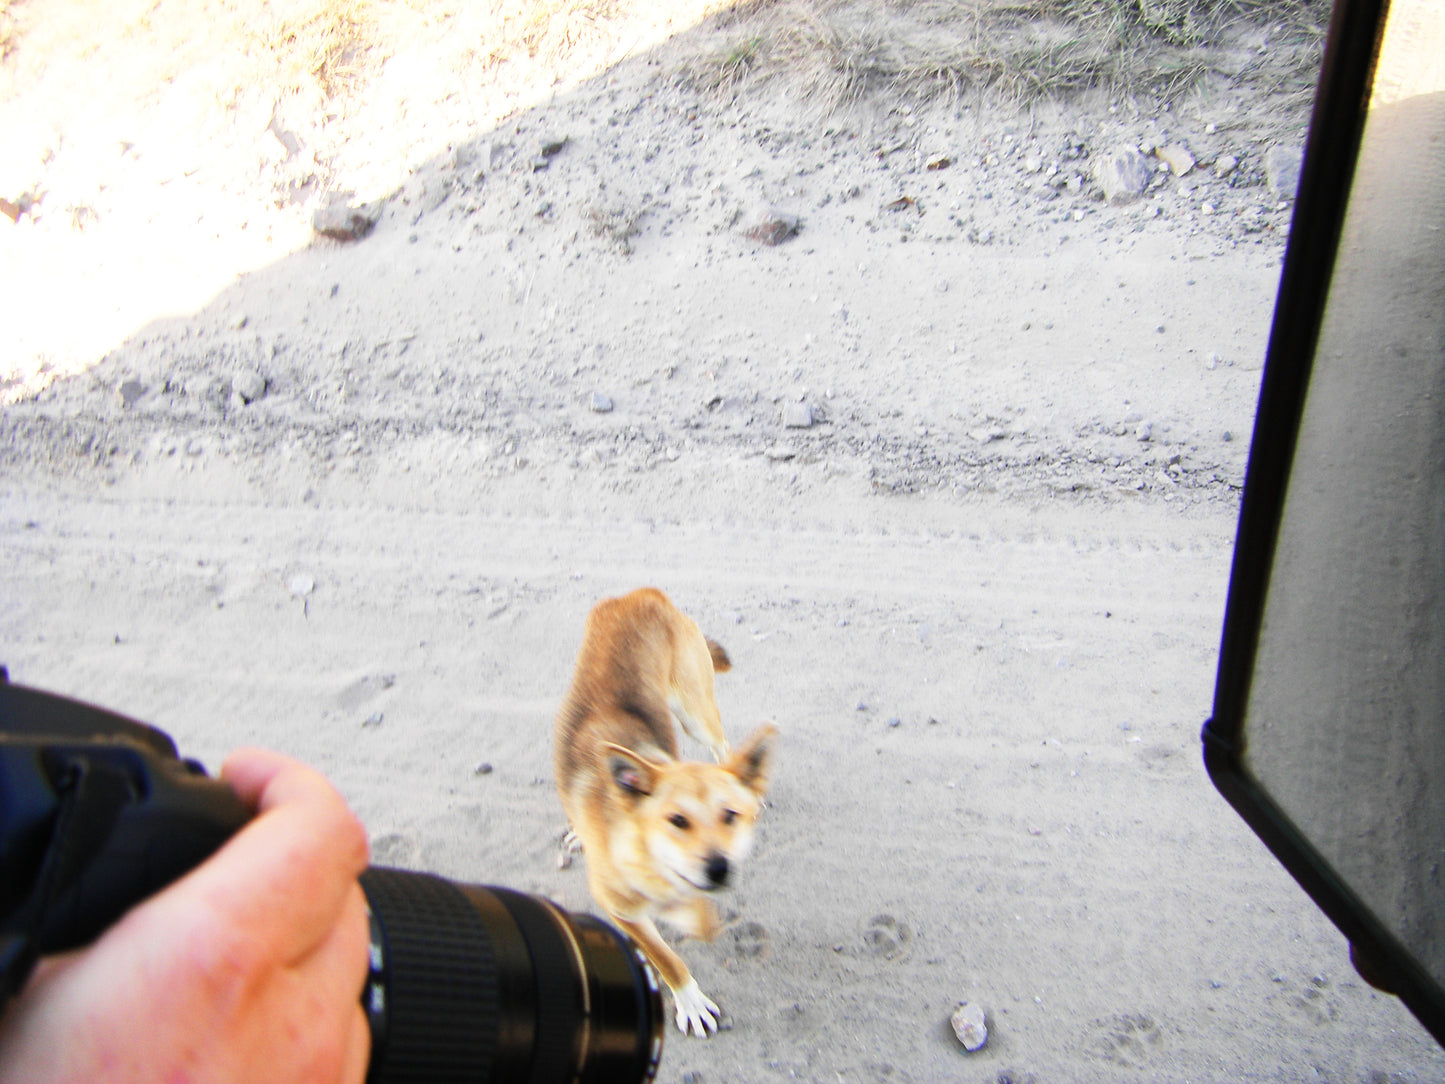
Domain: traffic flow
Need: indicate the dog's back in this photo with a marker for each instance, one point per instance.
(641, 659)
(617, 687)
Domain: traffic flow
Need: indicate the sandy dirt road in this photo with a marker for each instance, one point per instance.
(989, 787)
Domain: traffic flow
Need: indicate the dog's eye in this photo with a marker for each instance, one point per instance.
(729, 816)
(677, 820)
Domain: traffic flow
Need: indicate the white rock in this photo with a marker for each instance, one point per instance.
(970, 1026)
(798, 416)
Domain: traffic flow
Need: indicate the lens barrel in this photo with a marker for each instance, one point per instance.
(473, 983)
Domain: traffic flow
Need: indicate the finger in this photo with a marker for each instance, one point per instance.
(264, 778)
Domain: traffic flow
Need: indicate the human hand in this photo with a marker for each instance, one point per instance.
(248, 969)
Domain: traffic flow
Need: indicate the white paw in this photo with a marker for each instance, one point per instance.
(569, 846)
(696, 1012)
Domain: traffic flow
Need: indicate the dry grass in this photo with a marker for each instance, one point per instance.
(553, 29)
(8, 29)
(322, 43)
(837, 51)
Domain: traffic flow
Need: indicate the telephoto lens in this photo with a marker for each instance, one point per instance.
(473, 983)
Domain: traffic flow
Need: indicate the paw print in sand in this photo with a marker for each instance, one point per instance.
(886, 938)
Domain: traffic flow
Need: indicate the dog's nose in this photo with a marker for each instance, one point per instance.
(717, 870)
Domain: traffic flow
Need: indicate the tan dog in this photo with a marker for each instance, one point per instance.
(659, 834)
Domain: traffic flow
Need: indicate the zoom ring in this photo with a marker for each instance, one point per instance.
(440, 1010)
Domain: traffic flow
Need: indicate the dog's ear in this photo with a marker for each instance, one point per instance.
(752, 761)
(629, 771)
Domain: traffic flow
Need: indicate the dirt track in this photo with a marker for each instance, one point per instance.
(990, 786)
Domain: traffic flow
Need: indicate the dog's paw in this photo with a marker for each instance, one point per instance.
(696, 1012)
(569, 846)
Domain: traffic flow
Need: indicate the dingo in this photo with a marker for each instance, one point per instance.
(659, 834)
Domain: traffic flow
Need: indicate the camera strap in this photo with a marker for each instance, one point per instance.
(90, 795)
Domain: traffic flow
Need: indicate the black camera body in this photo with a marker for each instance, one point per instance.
(467, 982)
(99, 812)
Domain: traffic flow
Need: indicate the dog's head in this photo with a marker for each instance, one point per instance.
(696, 819)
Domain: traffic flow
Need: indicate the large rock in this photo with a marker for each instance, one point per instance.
(344, 221)
(1123, 174)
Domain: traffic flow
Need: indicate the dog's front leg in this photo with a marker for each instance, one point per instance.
(696, 1012)
(695, 917)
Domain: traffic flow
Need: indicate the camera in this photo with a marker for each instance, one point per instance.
(466, 982)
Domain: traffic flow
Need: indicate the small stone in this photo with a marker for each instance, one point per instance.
(779, 453)
(1144, 433)
(970, 1025)
(249, 386)
(484, 768)
(10, 210)
(1282, 169)
(894, 722)
(775, 228)
(129, 392)
(797, 416)
(374, 719)
(1177, 157)
(1225, 165)
(600, 404)
(300, 585)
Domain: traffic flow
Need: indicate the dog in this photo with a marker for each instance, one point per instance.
(659, 834)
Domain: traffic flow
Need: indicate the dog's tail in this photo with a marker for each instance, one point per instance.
(720, 661)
